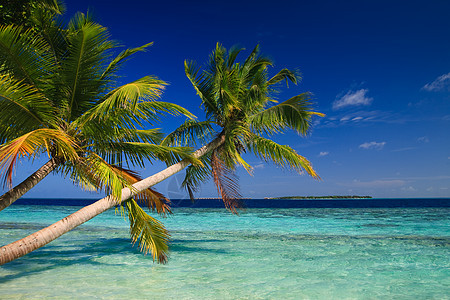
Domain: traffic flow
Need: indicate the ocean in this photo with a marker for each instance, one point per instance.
(399, 252)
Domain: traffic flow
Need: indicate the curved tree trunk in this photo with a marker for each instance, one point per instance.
(44, 236)
(19, 190)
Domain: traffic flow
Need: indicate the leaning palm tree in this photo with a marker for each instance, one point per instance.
(242, 114)
(241, 109)
(59, 97)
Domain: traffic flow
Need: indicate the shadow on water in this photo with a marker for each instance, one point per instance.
(56, 256)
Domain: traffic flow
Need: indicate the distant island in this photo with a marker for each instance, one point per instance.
(319, 197)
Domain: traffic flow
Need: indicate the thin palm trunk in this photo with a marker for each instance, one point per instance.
(44, 236)
(19, 190)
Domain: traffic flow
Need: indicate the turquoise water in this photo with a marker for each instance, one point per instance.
(261, 254)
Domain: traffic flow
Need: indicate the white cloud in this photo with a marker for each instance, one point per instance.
(353, 98)
(372, 145)
(439, 84)
(404, 149)
(423, 139)
(415, 178)
(408, 189)
(259, 166)
(324, 153)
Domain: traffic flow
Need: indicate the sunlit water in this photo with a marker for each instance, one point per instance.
(261, 254)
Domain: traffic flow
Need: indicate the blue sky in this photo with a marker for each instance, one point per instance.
(379, 70)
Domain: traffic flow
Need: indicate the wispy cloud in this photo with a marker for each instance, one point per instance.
(423, 139)
(421, 178)
(372, 145)
(408, 189)
(353, 98)
(359, 117)
(324, 153)
(404, 149)
(439, 84)
(259, 166)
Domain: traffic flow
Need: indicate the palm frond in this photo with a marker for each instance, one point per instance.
(196, 175)
(93, 172)
(123, 56)
(203, 87)
(136, 153)
(127, 96)
(148, 232)
(88, 46)
(22, 108)
(130, 106)
(55, 142)
(285, 74)
(54, 6)
(226, 182)
(232, 55)
(294, 113)
(253, 55)
(53, 31)
(281, 155)
(24, 55)
(188, 133)
(122, 125)
(155, 201)
(156, 108)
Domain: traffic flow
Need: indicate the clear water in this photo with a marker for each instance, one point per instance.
(261, 254)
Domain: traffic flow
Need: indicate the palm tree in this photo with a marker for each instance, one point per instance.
(240, 105)
(59, 96)
(241, 111)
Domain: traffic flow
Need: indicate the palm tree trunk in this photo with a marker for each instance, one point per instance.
(19, 190)
(44, 236)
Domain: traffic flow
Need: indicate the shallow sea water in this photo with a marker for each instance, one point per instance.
(261, 254)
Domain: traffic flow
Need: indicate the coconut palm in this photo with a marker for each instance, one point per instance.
(242, 114)
(59, 97)
(240, 106)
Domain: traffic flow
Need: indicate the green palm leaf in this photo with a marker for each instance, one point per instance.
(188, 133)
(284, 74)
(22, 108)
(24, 55)
(88, 43)
(196, 175)
(294, 113)
(203, 87)
(111, 70)
(148, 232)
(281, 155)
(127, 96)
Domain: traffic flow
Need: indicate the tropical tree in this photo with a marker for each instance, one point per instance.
(59, 96)
(23, 12)
(241, 108)
(242, 114)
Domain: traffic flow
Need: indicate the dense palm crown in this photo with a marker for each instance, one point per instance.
(239, 101)
(59, 96)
